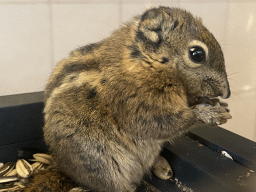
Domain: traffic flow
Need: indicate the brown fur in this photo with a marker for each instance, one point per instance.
(110, 106)
(53, 181)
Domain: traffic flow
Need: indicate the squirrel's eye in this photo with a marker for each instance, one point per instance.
(197, 54)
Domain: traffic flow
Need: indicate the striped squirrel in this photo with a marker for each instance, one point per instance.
(110, 106)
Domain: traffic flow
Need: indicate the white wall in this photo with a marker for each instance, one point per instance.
(36, 34)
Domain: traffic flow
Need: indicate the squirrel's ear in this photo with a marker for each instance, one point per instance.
(153, 24)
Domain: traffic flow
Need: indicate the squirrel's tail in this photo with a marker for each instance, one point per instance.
(49, 180)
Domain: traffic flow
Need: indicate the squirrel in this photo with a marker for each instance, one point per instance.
(111, 106)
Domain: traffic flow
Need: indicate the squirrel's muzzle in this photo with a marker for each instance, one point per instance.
(225, 92)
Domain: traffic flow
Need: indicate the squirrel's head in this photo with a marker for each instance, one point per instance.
(174, 38)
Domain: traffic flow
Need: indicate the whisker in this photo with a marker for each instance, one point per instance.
(232, 73)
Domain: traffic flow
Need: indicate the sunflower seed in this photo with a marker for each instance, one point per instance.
(12, 173)
(1, 164)
(37, 165)
(8, 179)
(6, 168)
(19, 184)
(44, 158)
(24, 169)
(9, 189)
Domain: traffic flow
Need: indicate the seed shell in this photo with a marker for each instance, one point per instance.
(44, 158)
(8, 179)
(37, 165)
(12, 173)
(15, 188)
(6, 168)
(24, 169)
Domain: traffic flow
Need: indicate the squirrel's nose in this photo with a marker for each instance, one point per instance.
(229, 93)
(226, 93)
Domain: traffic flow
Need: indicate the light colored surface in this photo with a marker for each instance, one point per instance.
(36, 34)
(76, 25)
(241, 65)
(25, 62)
(22, 1)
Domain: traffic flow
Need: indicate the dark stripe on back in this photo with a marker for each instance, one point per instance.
(68, 69)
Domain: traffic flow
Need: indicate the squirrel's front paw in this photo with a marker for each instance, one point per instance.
(213, 115)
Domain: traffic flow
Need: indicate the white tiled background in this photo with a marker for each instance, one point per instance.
(36, 34)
